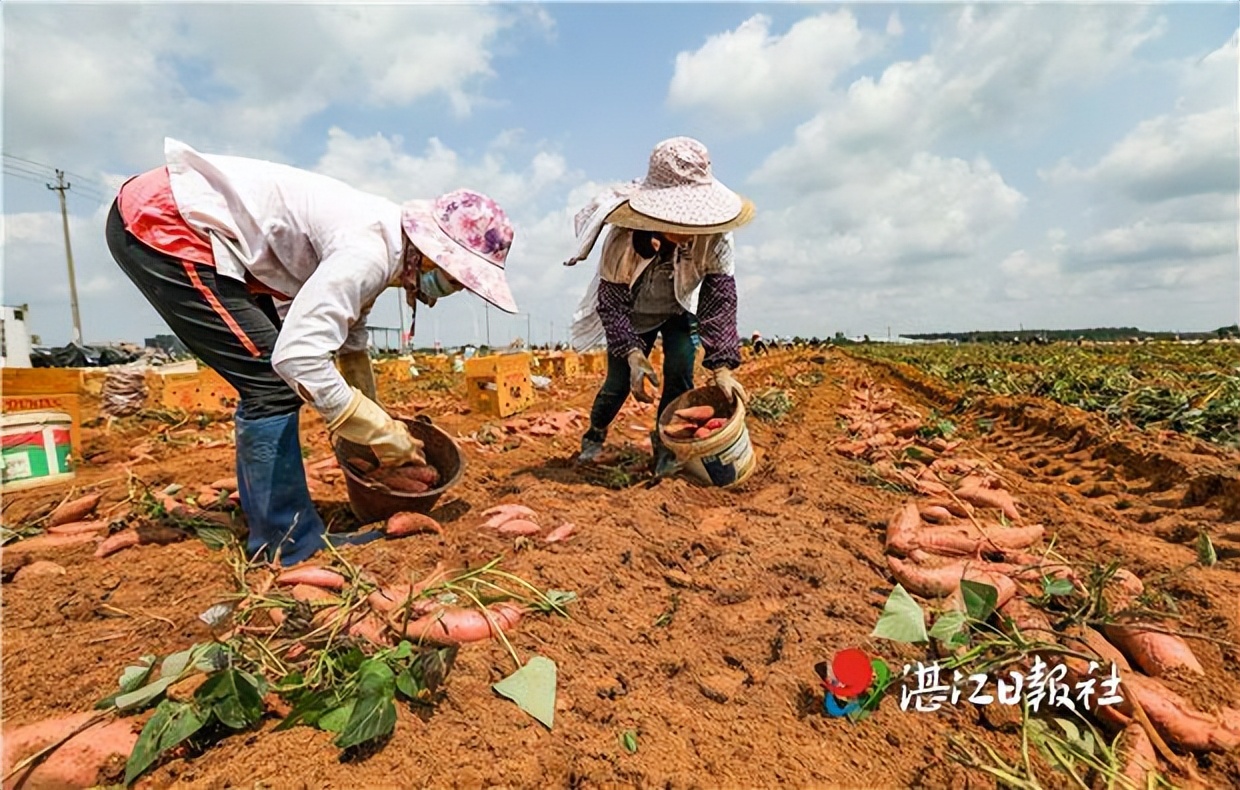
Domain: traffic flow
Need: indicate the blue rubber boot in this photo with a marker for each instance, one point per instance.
(271, 482)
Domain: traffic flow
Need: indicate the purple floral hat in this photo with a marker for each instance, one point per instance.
(467, 235)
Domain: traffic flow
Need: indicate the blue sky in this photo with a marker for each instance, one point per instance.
(919, 166)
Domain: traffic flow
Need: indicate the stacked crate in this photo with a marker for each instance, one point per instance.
(499, 385)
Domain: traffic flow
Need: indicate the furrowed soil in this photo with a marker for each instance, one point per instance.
(701, 613)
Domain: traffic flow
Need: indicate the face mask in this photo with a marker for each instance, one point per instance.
(434, 285)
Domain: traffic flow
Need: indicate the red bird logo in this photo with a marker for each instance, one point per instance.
(851, 673)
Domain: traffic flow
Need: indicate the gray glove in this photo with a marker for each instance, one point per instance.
(640, 369)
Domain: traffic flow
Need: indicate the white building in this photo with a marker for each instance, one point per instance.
(14, 338)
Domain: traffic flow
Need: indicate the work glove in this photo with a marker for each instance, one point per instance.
(357, 371)
(730, 386)
(640, 370)
(365, 422)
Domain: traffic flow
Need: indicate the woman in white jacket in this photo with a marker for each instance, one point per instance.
(265, 272)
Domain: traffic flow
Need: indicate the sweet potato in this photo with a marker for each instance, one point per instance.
(310, 593)
(314, 576)
(402, 524)
(73, 510)
(78, 528)
(560, 533)
(114, 543)
(41, 542)
(228, 484)
(519, 526)
(680, 430)
(405, 485)
(1136, 754)
(902, 529)
(363, 466)
(958, 508)
(989, 497)
(967, 539)
(516, 511)
(454, 626)
(77, 762)
(703, 433)
(944, 581)
(502, 514)
(395, 597)
(369, 628)
(1157, 654)
(171, 506)
(935, 513)
(715, 423)
(38, 569)
(698, 414)
(1084, 639)
(1176, 719)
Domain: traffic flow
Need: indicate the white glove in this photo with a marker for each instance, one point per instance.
(730, 386)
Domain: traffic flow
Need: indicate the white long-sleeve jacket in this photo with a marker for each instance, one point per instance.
(331, 249)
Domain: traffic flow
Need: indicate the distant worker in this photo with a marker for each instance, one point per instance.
(667, 260)
(265, 272)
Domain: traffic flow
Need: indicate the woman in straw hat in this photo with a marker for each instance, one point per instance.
(265, 272)
(666, 261)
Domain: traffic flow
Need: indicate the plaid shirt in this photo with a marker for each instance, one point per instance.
(704, 285)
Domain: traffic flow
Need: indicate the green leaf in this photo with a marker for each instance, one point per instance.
(1205, 549)
(532, 687)
(948, 626)
(374, 714)
(214, 538)
(408, 686)
(308, 708)
(979, 599)
(232, 697)
(628, 739)
(335, 719)
(902, 619)
(403, 650)
(132, 678)
(176, 663)
(172, 723)
(139, 698)
(1056, 587)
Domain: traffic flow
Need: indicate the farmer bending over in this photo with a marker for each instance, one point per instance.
(265, 271)
(666, 259)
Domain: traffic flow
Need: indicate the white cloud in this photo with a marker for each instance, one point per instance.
(1169, 156)
(113, 78)
(750, 76)
(894, 26)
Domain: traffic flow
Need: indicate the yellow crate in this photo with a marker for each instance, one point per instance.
(594, 362)
(564, 365)
(203, 392)
(499, 385)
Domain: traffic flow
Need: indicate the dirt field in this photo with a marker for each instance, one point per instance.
(701, 613)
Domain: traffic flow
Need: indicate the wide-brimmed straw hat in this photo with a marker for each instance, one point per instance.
(680, 194)
(467, 235)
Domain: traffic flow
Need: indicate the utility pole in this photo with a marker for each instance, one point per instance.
(400, 311)
(529, 330)
(488, 306)
(61, 187)
(551, 334)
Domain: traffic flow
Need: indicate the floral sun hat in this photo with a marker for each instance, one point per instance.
(467, 235)
(681, 194)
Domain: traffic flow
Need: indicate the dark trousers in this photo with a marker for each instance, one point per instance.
(217, 318)
(677, 376)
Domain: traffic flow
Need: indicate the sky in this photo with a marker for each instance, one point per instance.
(915, 167)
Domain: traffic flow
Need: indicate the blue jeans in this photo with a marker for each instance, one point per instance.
(677, 375)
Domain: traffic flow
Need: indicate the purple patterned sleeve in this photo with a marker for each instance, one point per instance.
(615, 310)
(717, 322)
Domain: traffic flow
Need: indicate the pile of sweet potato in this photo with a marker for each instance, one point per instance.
(694, 422)
(966, 526)
(409, 479)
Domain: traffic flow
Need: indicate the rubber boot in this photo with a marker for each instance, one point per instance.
(271, 482)
(664, 459)
(591, 446)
